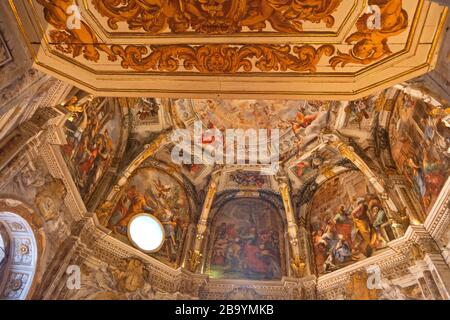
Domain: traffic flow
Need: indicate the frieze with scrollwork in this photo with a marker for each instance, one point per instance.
(216, 16)
(368, 44)
(222, 58)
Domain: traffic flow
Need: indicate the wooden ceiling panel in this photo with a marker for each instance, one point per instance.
(331, 49)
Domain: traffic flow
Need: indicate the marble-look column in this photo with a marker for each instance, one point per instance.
(406, 199)
(306, 240)
(430, 268)
(188, 244)
(446, 254)
(196, 255)
(439, 273)
(297, 263)
(71, 253)
(426, 281)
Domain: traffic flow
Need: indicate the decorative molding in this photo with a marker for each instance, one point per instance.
(438, 220)
(22, 263)
(25, 81)
(222, 58)
(195, 50)
(211, 19)
(217, 17)
(58, 169)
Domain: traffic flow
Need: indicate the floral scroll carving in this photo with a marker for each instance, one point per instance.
(213, 17)
(223, 58)
(74, 41)
(216, 16)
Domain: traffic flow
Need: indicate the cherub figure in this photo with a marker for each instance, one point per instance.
(370, 44)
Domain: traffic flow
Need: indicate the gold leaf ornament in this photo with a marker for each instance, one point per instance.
(216, 16)
(222, 58)
(371, 44)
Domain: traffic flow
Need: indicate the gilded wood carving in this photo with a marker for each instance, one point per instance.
(216, 16)
(221, 58)
(74, 41)
(371, 44)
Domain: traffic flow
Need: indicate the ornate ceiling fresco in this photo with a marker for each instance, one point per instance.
(338, 163)
(299, 122)
(156, 192)
(212, 48)
(341, 207)
(358, 176)
(418, 134)
(95, 135)
(356, 180)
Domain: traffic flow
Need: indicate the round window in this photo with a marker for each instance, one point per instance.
(146, 232)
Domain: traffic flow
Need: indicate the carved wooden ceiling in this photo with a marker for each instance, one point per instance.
(332, 49)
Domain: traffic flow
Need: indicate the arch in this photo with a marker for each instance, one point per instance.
(94, 139)
(352, 153)
(350, 158)
(347, 222)
(149, 150)
(21, 255)
(154, 189)
(239, 246)
(419, 137)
